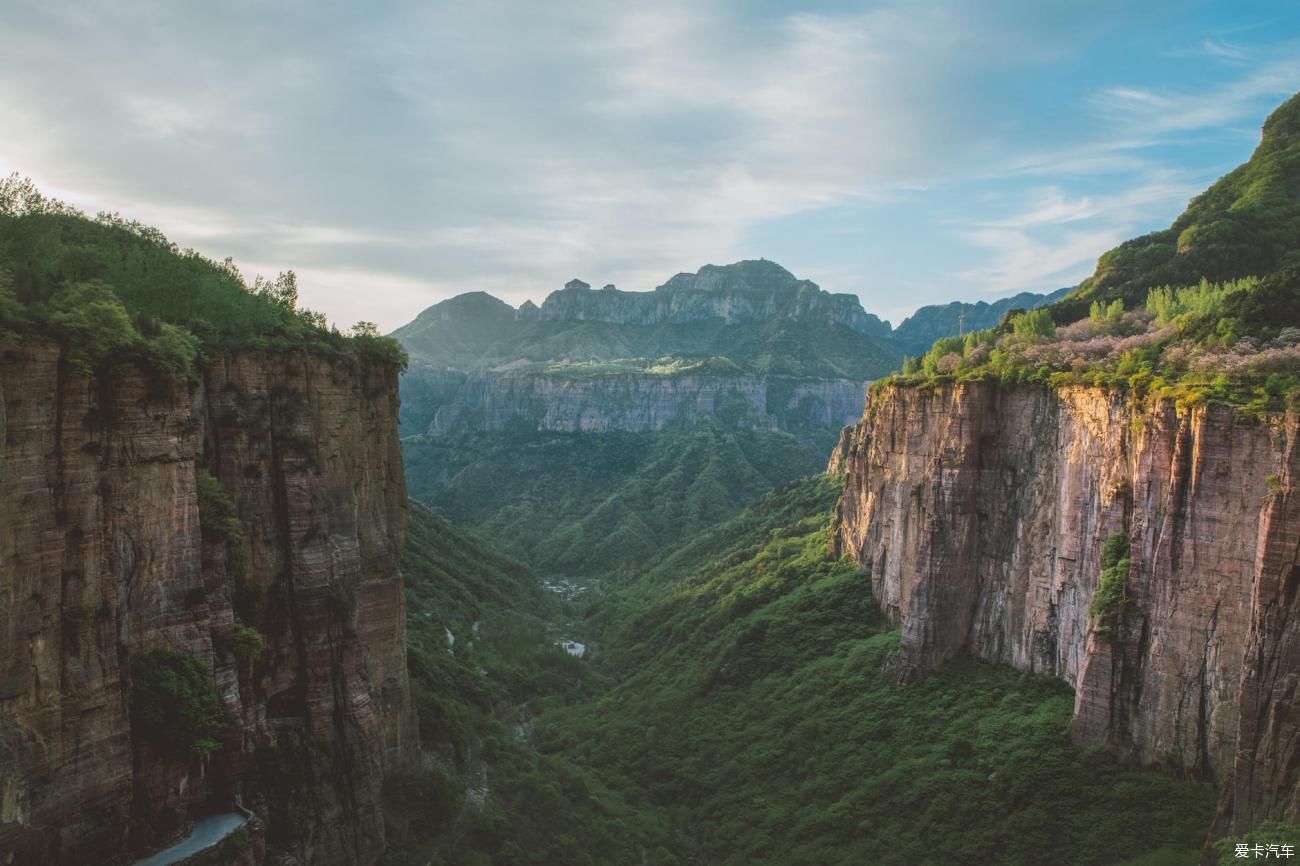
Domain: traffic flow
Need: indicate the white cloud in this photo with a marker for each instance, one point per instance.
(1146, 114)
(1224, 49)
(1051, 206)
(422, 150)
(1054, 240)
(1021, 262)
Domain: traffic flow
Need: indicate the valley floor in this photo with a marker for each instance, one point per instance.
(735, 707)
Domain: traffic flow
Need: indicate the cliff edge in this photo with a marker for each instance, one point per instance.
(991, 515)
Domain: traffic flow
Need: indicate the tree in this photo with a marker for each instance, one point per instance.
(283, 290)
(19, 197)
(1034, 324)
(93, 319)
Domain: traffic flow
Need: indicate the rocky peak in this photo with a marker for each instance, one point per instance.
(751, 276)
(470, 306)
(748, 291)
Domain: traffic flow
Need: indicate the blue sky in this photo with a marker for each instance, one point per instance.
(395, 154)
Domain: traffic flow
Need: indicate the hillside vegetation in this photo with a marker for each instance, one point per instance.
(738, 710)
(483, 660)
(1207, 310)
(919, 331)
(115, 290)
(1236, 342)
(597, 504)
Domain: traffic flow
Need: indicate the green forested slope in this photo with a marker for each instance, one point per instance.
(486, 795)
(1247, 223)
(738, 710)
(598, 504)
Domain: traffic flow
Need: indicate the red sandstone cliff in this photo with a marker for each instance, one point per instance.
(982, 510)
(102, 560)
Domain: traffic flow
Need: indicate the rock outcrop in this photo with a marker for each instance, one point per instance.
(453, 403)
(982, 511)
(103, 560)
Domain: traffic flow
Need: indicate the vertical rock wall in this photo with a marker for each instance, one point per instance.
(450, 402)
(982, 511)
(102, 560)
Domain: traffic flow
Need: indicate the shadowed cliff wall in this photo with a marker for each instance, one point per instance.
(102, 560)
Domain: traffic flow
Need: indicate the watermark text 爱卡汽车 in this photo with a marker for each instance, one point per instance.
(1247, 851)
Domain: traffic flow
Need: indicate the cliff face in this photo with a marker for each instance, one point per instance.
(450, 402)
(982, 511)
(102, 561)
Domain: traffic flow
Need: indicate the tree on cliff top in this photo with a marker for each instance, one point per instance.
(49, 250)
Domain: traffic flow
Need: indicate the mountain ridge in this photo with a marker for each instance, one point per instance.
(918, 332)
(755, 313)
(477, 331)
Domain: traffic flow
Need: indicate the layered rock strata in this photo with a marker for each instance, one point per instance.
(982, 511)
(103, 560)
(632, 402)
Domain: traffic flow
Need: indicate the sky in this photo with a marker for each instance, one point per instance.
(395, 154)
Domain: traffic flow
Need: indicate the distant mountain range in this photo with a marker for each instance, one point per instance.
(756, 315)
(918, 332)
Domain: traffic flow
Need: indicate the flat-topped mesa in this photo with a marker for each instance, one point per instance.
(108, 566)
(984, 513)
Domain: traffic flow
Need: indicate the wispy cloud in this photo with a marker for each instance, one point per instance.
(1053, 239)
(1143, 114)
(1021, 262)
(1224, 49)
